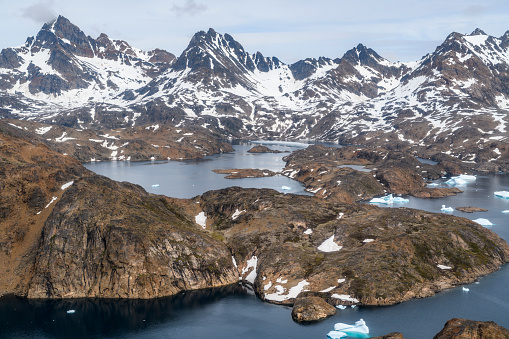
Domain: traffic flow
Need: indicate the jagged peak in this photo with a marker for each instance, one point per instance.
(477, 31)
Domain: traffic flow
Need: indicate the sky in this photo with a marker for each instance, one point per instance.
(292, 30)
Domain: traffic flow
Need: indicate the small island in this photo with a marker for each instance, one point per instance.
(240, 173)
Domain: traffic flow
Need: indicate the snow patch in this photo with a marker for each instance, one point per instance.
(329, 245)
(201, 219)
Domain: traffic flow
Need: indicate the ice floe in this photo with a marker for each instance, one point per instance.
(502, 194)
(483, 222)
(446, 209)
(71, 311)
(506, 211)
(329, 245)
(155, 185)
(201, 219)
(286, 188)
(389, 199)
(359, 327)
(336, 335)
(466, 289)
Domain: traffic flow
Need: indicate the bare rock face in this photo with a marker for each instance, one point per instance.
(311, 309)
(113, 240)
(469, 329)
(67, 233)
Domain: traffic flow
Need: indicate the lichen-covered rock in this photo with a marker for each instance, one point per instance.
(311, 309)
(263, 149)
(469, 329)
(393, 335)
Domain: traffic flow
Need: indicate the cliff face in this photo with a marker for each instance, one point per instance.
(110, 239)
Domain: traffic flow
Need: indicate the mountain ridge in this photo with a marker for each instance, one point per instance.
(64, 77)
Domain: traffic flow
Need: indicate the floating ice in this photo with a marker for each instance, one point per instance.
(341, 307)
(502, 194)
(286, 188)
(466, 289)
(360, 327)
(506, 211)
(155, 185)
(329, 245)
(483, 222)
(467, 177)
(388, 199)
(71, 311)
(456, 181)
(446, 209)
(336, 335)
(400, 200)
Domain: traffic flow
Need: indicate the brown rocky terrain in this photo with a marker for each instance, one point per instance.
(350, 174)
(471, 209)
(95, 237)
(66, 232)
(153, 142)
(469, 329)
(377, 256)
(239, 173)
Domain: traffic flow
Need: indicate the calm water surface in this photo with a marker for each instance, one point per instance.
(235, 312)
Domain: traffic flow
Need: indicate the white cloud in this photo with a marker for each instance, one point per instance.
(40, 12)
(190, 7)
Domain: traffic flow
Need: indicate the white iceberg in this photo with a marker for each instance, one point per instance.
(446, 209)
(360, 327)
(502, 194)
(388, 199)
(456, 181)
(400, 200)
(155, 185)
(286, 188)
(466, 289)
(467, 177)
(483, 222)
(341, 307)
(506, 211)
(71, 311)
(336, 335)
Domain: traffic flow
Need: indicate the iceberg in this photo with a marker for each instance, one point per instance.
(359, 327)
(467, 177)
(71, 311)
(388, 199)
(446, 209)
(466, 289)
(155, 185)
(286, 188)
(483, 222)
(400, 200)
(336, 335)
(456, 181)
(506, 211)
(502, 194)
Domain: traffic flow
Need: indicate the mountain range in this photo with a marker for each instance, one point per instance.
(455, 100)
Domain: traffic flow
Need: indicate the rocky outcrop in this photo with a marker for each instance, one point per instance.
(113, 240)
(354, 253)
(469, 329)
(239, 173)
(263, 149)
(471, 209)
(311, 309)
(152, 142)
(350, 174)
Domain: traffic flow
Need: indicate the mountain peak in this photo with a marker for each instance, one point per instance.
(478, 31)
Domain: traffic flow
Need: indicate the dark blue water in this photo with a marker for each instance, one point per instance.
(234, 312)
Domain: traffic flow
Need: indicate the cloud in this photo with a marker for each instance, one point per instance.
(40, 12)
(190, 7)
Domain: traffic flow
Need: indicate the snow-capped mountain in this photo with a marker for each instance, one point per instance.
(456, 96)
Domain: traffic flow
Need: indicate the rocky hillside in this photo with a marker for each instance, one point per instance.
(153, 142)
(454, 100)
(66, 232)
(351, 253)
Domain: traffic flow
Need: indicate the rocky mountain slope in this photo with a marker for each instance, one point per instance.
(66, 232)
(454, 100)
